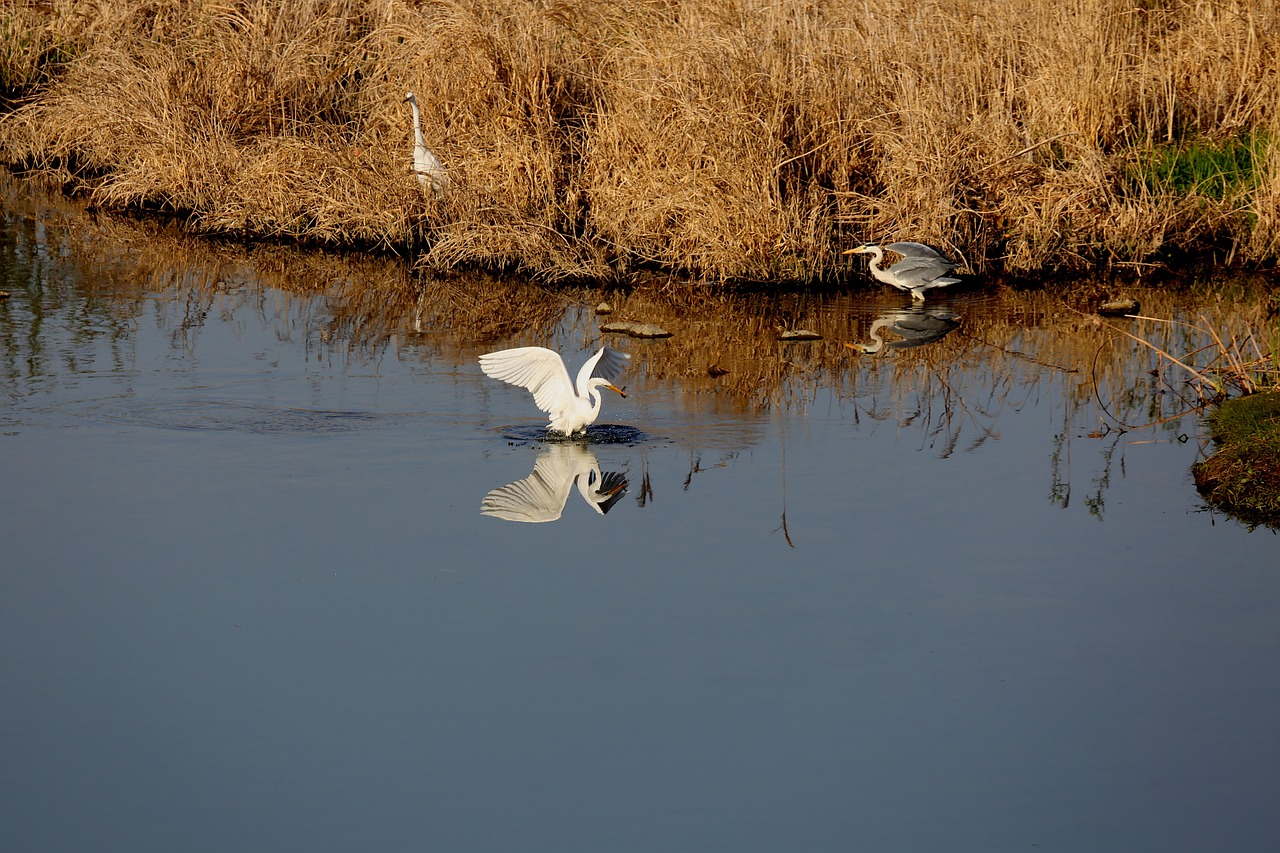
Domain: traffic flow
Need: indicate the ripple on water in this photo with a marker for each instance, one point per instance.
(242, 417)
(595, 434)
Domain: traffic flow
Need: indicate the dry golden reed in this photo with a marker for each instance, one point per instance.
(723, 139)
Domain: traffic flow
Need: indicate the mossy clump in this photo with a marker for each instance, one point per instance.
(1243, 476)
(1207, 168)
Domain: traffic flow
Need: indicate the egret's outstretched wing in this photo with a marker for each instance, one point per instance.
(538, 369)
(609, 364)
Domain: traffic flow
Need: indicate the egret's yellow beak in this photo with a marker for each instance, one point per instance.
(616, 388)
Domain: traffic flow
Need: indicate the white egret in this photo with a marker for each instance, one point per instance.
(543, 494)
(542, 372)
(916, 328)
(921, 268)
(426, 165)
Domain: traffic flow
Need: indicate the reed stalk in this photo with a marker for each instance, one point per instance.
(725, 140)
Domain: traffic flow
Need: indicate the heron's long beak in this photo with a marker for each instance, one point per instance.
(857, 251)
(616, 388)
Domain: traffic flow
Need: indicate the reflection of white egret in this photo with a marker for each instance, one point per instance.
(542, 371)
(426, 164)
(921, 268)
(542, 495)
(916, 328)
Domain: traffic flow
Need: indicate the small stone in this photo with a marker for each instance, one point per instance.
(636, 330)
(604, 308)
(1119, 307)
(799, 335)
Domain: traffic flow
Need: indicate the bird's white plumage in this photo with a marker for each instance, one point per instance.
(543, 373)
(430, 171)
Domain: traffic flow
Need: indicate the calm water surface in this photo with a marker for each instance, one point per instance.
(901, 601)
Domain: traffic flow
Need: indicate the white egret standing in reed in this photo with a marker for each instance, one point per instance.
(426, 164)
(921, 268)
(542, 372)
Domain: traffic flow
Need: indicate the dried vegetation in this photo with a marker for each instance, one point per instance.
(723, 140)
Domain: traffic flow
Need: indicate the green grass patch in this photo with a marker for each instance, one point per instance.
(1243, 476)
(1207, 168)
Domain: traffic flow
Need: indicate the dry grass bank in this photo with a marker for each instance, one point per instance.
(724, 139)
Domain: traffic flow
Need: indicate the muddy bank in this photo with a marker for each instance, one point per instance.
(1243, 475)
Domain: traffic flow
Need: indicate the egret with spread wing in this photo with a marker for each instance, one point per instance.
(921, 268)
(542, 372)
(426, 164)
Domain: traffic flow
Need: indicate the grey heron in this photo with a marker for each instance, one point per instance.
(921, 268)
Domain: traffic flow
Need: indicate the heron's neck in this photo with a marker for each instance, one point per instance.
(876, 260)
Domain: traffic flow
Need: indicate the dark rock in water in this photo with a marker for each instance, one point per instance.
(636, 330)
(715, 371)
(799, 335)
(1119, 307)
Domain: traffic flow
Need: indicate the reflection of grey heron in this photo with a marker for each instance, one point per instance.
(921, 268)
(916, 327)
(542, 371)
(426, 164)
(542, 495)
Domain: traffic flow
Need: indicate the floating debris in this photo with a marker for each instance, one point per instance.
(799, 335)
(1119, 307)
(4, 294)
(636, 330)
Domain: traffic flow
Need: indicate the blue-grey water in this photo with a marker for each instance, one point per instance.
(932, 598)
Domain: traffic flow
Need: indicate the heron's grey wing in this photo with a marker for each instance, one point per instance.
(920, 270)
(537, 498)
(538, 369)
(908, 249)
(612, 364)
